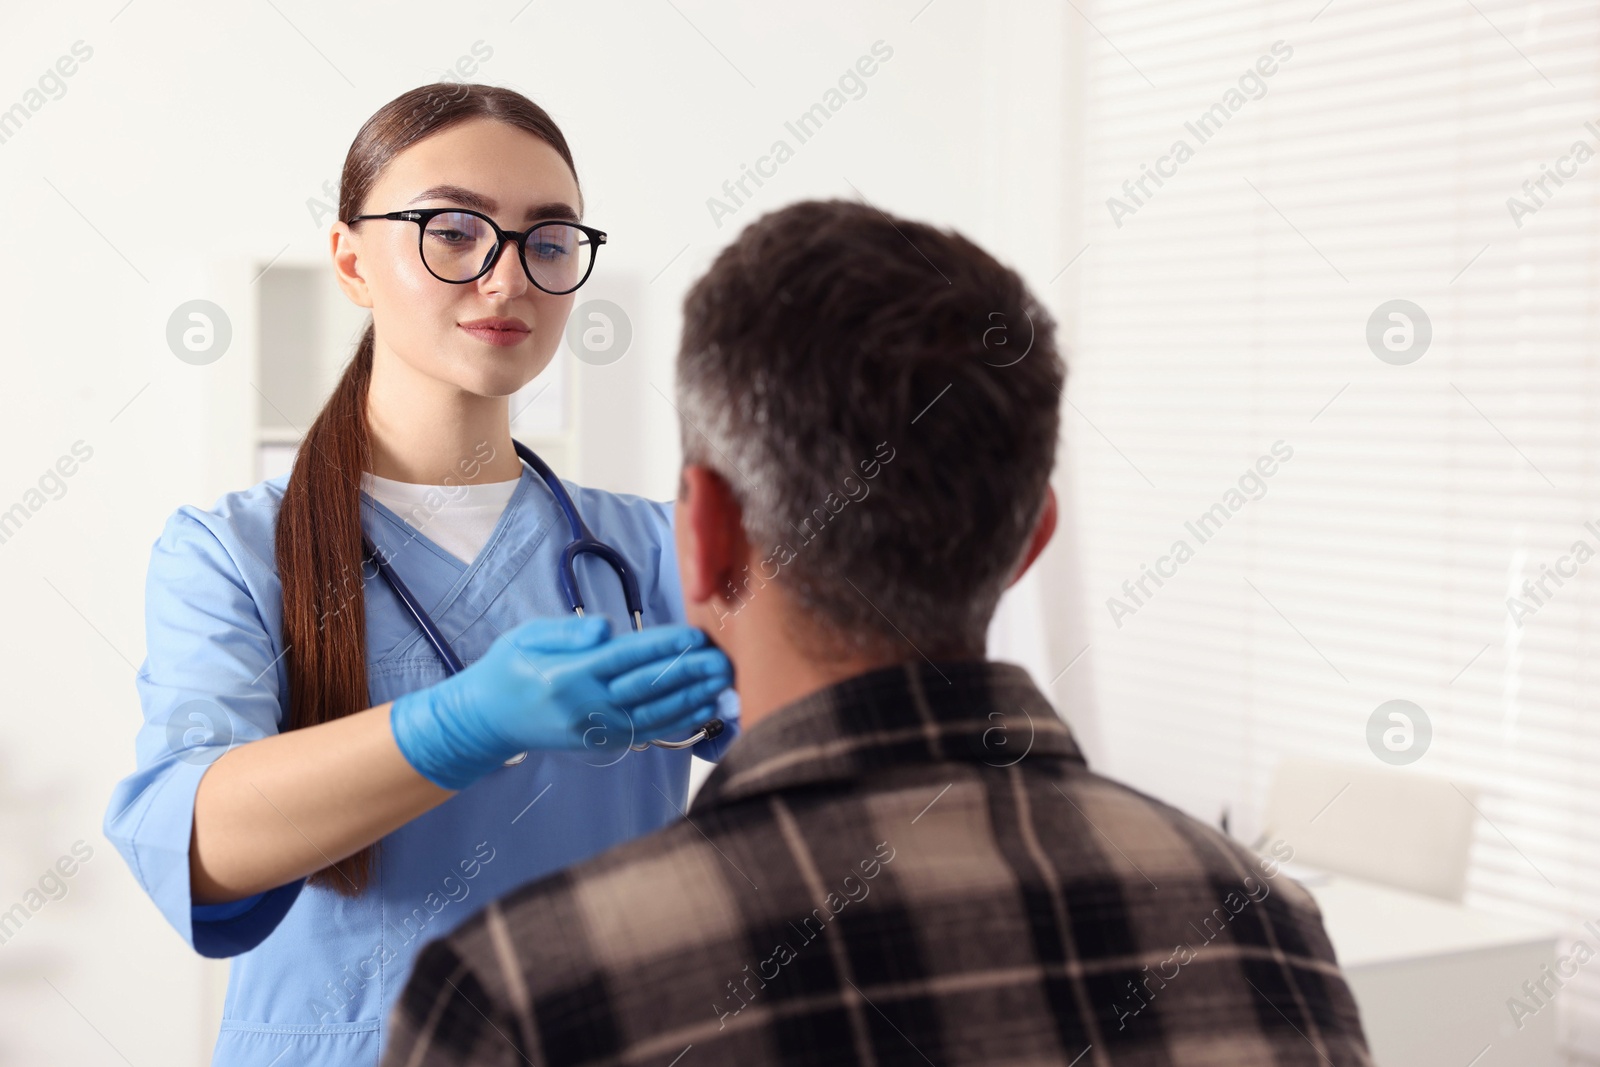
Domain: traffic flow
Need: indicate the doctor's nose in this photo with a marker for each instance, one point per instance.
(507, 274)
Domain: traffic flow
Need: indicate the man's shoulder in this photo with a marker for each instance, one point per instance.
(642, 900)
(1155, 823)
(1146, 843)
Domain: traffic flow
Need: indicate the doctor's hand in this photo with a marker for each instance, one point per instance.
(560, 683)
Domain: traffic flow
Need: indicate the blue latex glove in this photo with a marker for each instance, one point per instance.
(560, 683)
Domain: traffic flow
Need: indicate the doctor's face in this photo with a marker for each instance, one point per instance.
(505, 173)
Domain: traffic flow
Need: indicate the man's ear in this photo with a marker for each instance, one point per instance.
(1043, 530)
(709, 528)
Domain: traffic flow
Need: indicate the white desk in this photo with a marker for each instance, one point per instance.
(1432, 978)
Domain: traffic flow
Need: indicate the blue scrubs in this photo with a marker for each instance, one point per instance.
(315, 974)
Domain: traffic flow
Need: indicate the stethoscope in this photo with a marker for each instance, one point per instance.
(583, 541)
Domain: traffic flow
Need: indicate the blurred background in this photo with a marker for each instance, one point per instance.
(1327, 272)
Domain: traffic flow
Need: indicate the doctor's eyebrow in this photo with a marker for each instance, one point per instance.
(467, 198)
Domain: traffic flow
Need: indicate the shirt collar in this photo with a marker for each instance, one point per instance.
(970, 711)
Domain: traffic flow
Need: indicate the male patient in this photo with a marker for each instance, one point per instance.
(904, 859)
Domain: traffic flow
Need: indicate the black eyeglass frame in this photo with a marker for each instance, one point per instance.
(422, 216)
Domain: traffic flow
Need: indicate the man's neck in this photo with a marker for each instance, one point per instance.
(770, 671)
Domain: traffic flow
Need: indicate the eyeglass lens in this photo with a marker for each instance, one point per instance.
(456, 246)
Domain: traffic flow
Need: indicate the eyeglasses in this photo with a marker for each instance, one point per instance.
(459, 246)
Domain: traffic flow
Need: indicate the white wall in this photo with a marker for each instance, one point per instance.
(189, 144)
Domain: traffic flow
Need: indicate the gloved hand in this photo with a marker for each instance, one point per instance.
(559, 683)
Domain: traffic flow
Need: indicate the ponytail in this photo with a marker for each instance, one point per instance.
(320, 565)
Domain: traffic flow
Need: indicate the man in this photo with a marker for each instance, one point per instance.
(904, 858)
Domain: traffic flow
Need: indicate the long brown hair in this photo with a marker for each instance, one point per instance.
(318, 534)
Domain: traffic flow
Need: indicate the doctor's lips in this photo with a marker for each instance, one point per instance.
(497, 331)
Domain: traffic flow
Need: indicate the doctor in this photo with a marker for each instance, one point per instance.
(315, 796)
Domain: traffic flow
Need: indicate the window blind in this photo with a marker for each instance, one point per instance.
(1364, 513)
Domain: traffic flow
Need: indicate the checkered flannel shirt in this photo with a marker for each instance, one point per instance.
(913, 866)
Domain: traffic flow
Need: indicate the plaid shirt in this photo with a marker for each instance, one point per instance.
(912, 866)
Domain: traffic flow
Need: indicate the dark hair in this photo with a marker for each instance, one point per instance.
(318, 535)
(883, 399)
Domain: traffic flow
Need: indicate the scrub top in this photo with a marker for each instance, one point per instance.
(314, 973)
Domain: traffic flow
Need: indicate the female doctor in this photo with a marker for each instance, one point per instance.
(315, 795)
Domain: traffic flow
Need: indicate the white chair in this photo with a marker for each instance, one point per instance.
(1392, 825)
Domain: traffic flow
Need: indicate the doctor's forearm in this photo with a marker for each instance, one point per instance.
(280, 808)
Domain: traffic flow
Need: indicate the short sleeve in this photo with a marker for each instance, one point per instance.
(711, 749)
(208, 683)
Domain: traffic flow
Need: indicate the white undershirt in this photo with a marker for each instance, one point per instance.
(457, 518)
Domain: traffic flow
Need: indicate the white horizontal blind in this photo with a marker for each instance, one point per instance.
(1229, 311)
